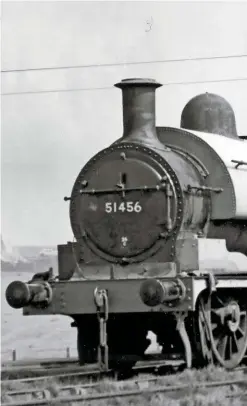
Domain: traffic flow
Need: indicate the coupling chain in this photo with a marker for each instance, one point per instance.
(102, 305)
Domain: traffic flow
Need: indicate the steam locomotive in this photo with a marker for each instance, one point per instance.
(160, 225)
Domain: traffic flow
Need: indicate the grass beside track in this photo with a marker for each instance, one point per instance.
(224, 396)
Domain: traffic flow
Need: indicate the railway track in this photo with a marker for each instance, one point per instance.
(90, 392)
(74, 387)
(79, 374)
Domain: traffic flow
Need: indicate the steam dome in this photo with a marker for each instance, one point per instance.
(209, 113)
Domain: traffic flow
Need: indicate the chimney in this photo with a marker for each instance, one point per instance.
(139, 111)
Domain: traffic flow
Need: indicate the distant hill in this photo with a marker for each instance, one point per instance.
(27, 258)
(31, 251)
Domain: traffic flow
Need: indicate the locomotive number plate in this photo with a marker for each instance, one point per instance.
(122, 207)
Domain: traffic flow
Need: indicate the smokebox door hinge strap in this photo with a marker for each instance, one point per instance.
(190, 189)
(102, 305)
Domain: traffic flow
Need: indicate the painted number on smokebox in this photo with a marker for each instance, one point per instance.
(122, 207)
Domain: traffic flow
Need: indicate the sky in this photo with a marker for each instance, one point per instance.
(47, 138)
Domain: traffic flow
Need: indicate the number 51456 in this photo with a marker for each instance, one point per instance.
(124, 206)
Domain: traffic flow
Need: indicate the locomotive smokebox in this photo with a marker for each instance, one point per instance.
(139, 111)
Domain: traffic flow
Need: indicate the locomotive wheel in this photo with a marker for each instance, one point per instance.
(222, 323)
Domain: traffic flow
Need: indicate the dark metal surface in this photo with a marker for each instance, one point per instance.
(76, 297)
(186, 259)
(139, 111)
(148, 179)
(209, 113)
(233, 231)
(68, 259)
(191, 188)
(223, 205)
(121, 189)
(153, 292)
(196, 208)
(98, 271)
(115, 224)
(162, 211)
(20, 294)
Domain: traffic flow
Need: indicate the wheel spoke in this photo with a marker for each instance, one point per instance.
(239, 330)
(222, 346)
(235, 342)
(230, 347)
(218, 314)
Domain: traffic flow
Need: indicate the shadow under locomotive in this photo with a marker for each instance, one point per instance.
(143, 211)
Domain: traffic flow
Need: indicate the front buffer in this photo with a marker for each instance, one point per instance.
(201, 317)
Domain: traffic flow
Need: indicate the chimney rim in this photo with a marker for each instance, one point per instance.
(138, 82)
